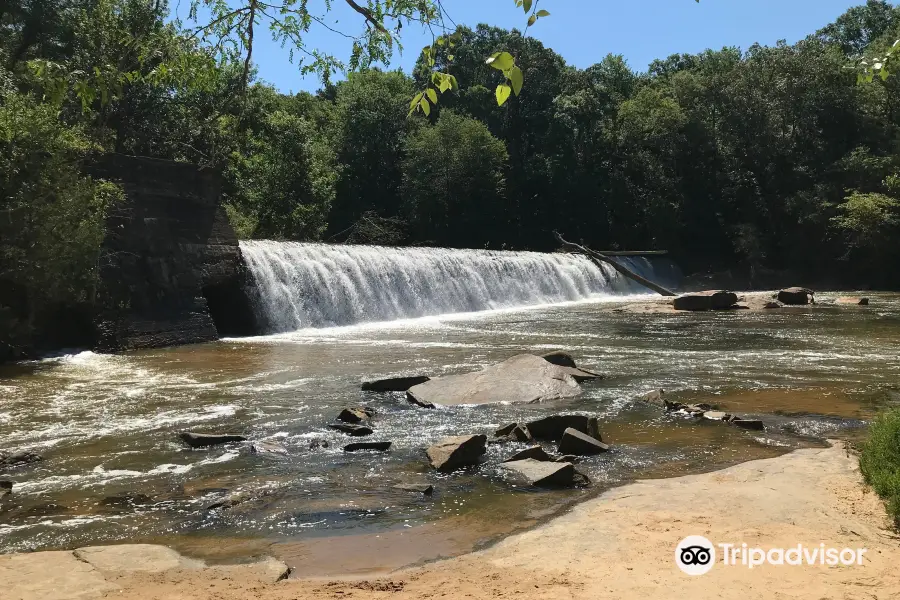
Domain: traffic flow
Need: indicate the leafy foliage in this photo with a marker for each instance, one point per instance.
(879, 460)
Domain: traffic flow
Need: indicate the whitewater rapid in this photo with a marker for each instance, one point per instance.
(303, 285)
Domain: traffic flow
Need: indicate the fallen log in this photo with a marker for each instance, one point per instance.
(623, 270)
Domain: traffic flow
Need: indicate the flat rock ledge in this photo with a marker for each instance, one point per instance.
(521, 379)
(94, 572)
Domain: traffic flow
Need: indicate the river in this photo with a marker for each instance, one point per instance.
(106, 425)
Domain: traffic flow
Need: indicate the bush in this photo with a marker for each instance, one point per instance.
(51, 219)
(880, 460)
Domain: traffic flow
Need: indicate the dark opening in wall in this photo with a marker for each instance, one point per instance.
(231, 309)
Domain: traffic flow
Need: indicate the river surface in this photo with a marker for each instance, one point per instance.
(107, 425)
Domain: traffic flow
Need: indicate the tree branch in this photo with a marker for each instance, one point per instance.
(369, 16)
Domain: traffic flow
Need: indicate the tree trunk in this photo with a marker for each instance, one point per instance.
(623, 270)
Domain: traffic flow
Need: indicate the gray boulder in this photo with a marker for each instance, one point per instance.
(708, 300)
(534, 453)
(203, 440)
(353, 430)
(553, 427)
(454, 453)
(544, 474)
(393, 384)
(266, 448)
(379, 446)
(796, 296)
(580, 444)
(523, 378)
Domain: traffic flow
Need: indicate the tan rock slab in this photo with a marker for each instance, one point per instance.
(50, 576)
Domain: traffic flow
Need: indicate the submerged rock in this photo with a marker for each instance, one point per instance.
(394, 384)
(126, 500)
(203, 440)
(523, 378)
(420, 488)
(708, 300)
(318, 444)
(17, 459)
(752, 424)
(238, 498)
(796, 296)
(379, 446)
(266, 448)
(535, 453)
(6, 487)
(580, 444)
(356, 415)
(544, 474)
(553, 427)
(353, 430)
(454, 453)
(852, 301)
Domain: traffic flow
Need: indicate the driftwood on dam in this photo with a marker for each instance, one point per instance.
(597, 256)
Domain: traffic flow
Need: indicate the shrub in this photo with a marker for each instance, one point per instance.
(880, 460)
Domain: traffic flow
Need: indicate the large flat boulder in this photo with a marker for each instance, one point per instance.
(708, 300)
(454, 453)
(544, 474)
(130, 558)
(50, 576)
(553, 427)
(522, 378)
(393, 384)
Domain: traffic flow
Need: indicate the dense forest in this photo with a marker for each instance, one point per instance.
(759, 158)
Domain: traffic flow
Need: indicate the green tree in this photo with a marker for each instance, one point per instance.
(453, 184)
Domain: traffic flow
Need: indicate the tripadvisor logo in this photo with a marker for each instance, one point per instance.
(696, 555)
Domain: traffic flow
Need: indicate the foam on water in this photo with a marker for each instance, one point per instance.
(301, 285)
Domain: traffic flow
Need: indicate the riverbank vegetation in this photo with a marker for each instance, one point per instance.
(879, 460)
(756, 158)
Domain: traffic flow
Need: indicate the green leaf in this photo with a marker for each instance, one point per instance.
(415, 101)
(532, 20)
(527, 5)
(503, 92)
(432, 95)
(453, 84)
(426, 108)
(445, 84)
(501, 61)
(543, 13)
(517, 79)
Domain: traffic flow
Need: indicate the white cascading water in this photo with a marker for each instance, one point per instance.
(301, 285)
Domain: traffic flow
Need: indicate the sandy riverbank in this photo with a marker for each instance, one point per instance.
(620, 545)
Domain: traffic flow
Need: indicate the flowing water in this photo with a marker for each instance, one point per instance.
(107, 425)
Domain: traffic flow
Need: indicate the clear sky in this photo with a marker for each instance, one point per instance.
(582, 31)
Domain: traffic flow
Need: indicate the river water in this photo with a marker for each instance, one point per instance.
(107, 425)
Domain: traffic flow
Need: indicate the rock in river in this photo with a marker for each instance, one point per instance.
(522, 378)
(379, 446)
(553, 427)
(580, 444)
(562, 359)
(5, 487)
(420, 488)
(18, 458)
(752, 424)
(394, 384)
(852, 301)
(796, 296)
(709, 300)
(357, 414)
(534, 453)
(202, 440)
(454, 453)
(354, 430)
(544, 474)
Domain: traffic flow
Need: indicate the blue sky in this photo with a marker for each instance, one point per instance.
(583, 31)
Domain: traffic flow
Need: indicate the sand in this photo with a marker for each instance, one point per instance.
(621, 545)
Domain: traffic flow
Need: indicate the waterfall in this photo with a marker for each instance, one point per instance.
(300, 285)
